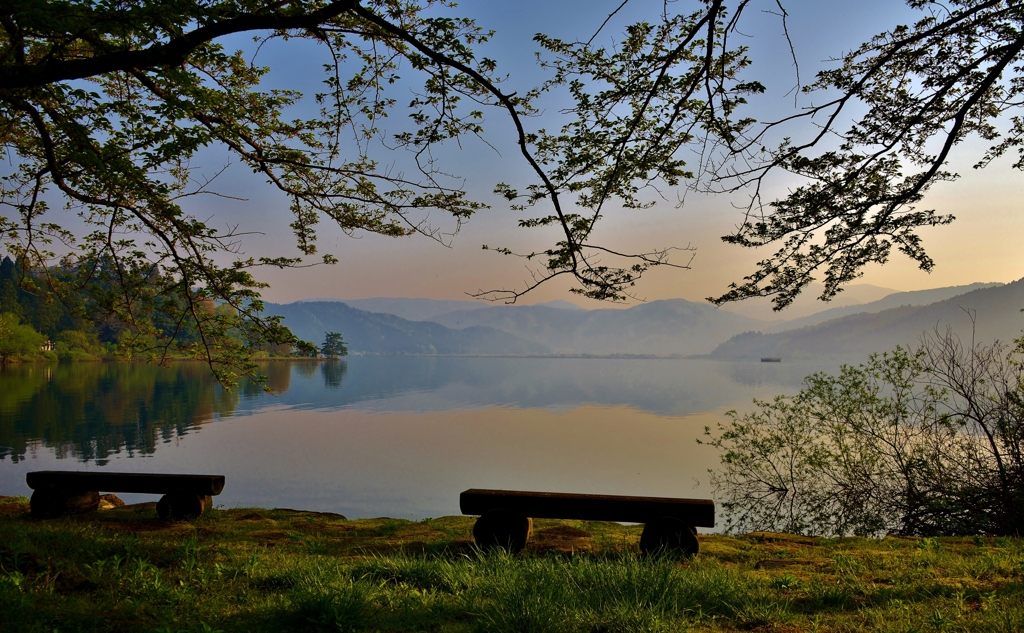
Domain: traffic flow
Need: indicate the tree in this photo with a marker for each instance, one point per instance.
(954, 74)
(17, 339)
(918, 443)
(333, 346)
(105, 104)
(77, 345)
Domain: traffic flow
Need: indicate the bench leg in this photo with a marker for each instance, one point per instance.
(502, 529)
(48, 502)
(668, 534)
(180, 506)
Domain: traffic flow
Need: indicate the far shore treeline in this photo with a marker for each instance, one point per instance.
(38, 325)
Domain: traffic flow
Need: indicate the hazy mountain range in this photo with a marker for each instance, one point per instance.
(807, 302)
(660, 328)
(895, 300)
(423, 309)
(663, 328)
(995, 311)
(376, 333)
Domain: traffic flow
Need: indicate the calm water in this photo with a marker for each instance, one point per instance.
(377, 436)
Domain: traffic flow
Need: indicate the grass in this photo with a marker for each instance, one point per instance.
(284, 570)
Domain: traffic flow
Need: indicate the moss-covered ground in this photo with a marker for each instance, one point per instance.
(286, 570)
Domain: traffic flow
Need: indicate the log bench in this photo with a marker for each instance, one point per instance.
(506, 516)
(66, 492)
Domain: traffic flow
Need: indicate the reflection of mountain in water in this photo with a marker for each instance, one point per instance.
(91, 411)
(787, 376)
(666, 387)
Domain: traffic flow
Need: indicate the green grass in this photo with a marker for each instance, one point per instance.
(278, 570)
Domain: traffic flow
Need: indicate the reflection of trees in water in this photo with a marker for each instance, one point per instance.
(307, 369)
(279, 379)
(91, 411)
(333, 372)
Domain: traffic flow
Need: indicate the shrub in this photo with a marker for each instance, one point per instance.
(16, 339)
(921, 442)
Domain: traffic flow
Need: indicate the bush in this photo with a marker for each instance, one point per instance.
(922, 442)
(77, 345)
(18, 340)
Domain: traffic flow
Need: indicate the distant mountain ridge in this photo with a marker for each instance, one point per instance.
(807, 304)
(895, 300)
(662, 328)
(852, 337)
(423, 309)
(375, 333)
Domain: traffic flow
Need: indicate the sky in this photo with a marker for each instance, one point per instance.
(982, 245)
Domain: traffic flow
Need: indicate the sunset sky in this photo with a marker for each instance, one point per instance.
(982, 245)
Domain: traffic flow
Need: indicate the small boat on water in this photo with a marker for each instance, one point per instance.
(770, 359)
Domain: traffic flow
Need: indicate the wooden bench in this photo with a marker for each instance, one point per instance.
(506, 516)
(68, 492)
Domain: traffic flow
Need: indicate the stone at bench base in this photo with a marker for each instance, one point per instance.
(182, 505)
(669, 535)
(502, 529)
(47, 502)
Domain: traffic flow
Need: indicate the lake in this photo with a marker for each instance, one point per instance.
(385, 436)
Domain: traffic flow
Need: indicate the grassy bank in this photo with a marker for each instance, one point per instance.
(270, 570)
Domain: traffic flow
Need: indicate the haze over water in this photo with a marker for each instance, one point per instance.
(385, 436)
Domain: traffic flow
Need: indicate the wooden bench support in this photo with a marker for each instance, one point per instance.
(502, 529)
(49, 502)
(506, 517)
(58, 493)
(669, 534)
(182, 505)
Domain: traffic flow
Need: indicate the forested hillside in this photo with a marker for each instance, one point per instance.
(32, 319)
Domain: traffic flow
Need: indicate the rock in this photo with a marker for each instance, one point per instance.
(109, 502)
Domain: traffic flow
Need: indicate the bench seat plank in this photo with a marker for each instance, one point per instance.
(557, 505)
(202, 485)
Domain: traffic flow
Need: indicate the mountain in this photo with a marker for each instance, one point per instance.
(895, 300)
(854, 337)
(561, 304)
(662, 328)
(807, 304)
(375, 333)
(421, 309)
(412, 309)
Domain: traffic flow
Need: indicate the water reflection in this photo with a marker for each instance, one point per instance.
(663, 387)
(333, 372)
(375, 436)
(90, 411)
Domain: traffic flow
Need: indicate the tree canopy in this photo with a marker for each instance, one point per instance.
(103, 105)
(926, 87)
(334, 345)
